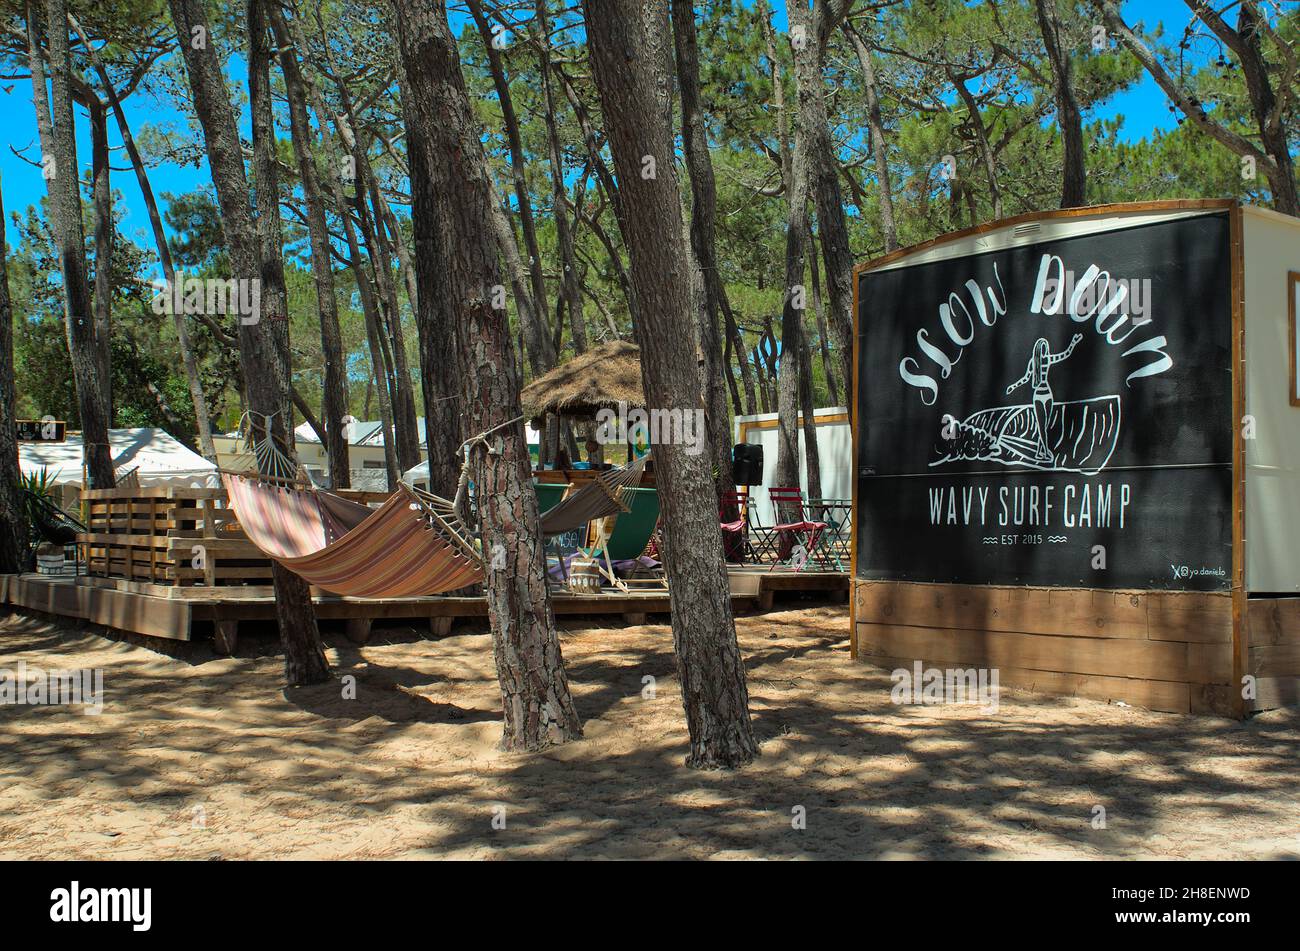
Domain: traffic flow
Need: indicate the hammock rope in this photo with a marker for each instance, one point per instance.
(462, 483)
(263, 457)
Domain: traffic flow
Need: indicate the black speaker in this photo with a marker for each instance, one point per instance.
(747, 463)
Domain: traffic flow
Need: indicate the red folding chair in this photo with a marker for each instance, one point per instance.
(735, 531)
(787, 500)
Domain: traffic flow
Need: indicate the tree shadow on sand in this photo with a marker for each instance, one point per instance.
(871, 778)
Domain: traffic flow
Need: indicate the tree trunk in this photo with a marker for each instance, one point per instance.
(828, 365)
(539, 362)
(824, 178)
(792, 347)
(13, 510)
(607, 186)
(451, 218)
(334, 397)
(1269, 119)
(808, 411)
(976, 122)
(102, 200)
(703, 239)
(876, 128)
(59, 153)
(201, 418)
(287, 39)
(254, 253)
(628, 44)
(406, 425)
(570, 290)
(1068, 117)
(435, 319)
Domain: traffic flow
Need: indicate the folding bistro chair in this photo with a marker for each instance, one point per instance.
(834, 551)
(735, 531)
(789, 499)
(632, 531)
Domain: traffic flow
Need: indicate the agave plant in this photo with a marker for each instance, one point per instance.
(41, 483)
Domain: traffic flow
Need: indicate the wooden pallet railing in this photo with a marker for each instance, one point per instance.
(174, 536)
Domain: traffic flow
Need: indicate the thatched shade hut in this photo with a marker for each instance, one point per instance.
(602, 377)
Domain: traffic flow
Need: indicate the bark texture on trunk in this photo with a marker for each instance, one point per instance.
(1269, 113)
(570, 289)
(975, 122)
(714, 370)
(255, 253)
(628, 44)
(59, 154)
(451, 218)
(102, 201)
(824, 175)
(828, 365)
(1068, 118)
(792, 346)
(288, 38)
(879, 145)
(197, 398)
(537, 341)
(435, 318)
(334, 400)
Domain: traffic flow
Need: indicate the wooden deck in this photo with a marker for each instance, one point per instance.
(185, 613)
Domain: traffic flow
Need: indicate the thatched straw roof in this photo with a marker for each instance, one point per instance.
(601, 377)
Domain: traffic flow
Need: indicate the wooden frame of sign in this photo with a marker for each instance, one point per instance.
(1292, 315)
(1149, 645)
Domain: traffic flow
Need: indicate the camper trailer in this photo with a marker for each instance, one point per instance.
(1077, 449)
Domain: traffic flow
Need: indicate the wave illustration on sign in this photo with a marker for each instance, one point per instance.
(1081, 436)
(1069, 436)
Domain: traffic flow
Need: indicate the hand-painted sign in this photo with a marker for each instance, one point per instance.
(1051, 414)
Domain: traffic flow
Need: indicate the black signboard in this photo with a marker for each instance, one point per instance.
(1051, 414)
(40, 430)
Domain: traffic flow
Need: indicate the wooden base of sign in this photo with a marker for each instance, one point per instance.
(1170, 651)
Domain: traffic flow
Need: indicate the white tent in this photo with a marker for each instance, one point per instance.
(158, 458)
(418, 476)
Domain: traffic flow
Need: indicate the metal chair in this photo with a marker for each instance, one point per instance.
(735, 531)
(789, 499)
(836, 549)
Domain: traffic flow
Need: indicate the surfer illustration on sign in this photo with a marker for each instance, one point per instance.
(1047, 434)
(1039, 362)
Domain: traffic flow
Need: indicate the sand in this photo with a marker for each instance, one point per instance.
(201, 757)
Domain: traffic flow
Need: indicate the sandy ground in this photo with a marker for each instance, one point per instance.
(196, 756)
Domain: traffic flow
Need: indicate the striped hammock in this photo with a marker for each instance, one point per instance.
(412, 545)
(602, 497)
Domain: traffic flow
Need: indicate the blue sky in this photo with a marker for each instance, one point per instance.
(1144, 108)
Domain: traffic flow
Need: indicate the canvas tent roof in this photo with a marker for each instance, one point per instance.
(157, 456)
(360, 432)
(419, 474)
